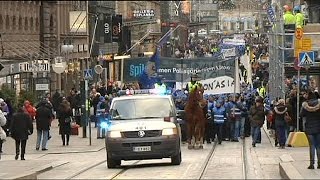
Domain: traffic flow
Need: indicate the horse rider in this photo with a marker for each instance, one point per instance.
(160, 85)
(194, 83)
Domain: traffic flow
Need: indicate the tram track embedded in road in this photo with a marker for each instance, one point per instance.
(244, 159)
(212, 153)
(124, 170)
(206, 162)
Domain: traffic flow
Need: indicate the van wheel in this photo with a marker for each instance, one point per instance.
(111, 163)
(176, 159)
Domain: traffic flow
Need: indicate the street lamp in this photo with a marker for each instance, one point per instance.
(66, 49)
(307, 66)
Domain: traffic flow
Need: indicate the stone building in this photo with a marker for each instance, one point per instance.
(245, 15)
(20, 39)
(34, 32)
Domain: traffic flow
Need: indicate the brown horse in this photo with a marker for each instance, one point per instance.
(196, 109)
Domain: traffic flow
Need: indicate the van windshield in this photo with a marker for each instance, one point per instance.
(128, 109)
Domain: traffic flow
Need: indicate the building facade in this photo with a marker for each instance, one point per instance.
(32, 36)
(241, 15)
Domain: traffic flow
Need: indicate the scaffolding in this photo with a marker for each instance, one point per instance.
(283, 51)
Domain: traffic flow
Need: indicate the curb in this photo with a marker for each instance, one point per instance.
(267, 133)
(36, 171)
(288, 171)
(69, 152)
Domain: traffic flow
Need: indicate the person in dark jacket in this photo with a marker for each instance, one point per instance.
(311, 111)
(280, 110)
(21, 128)
(256, 117)
(43, 120)
(65, 114)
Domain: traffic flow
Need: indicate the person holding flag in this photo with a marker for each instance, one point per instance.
(149, 76)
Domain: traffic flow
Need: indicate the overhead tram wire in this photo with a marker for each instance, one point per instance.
(42, 45)
(48, 52)
(40, 50)
(26, 51)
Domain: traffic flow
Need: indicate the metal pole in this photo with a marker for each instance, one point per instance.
(298, 100)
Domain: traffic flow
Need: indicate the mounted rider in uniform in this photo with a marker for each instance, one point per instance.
(194, 83)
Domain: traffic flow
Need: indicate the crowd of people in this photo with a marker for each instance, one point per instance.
(230, 116)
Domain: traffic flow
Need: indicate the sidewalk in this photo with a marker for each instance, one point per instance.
(34, 163)
(294, 163)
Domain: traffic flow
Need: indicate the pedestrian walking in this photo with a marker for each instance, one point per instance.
(65, 119)
(3, 134)
(256, 117)
(29, 109)
(311, 111)
(21, 127)
(44, 116)
(280, 111)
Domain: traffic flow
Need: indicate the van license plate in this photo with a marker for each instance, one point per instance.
(142, 148)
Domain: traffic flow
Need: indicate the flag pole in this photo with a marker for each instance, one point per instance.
(298, 100)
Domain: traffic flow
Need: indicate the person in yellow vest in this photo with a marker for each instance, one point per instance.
(299, 17)
(289, 19)
(194, 83)
(262, 91)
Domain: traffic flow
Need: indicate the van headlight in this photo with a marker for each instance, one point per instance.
(114, 134)
(169, 131)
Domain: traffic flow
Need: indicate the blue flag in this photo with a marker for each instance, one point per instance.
(150, 76)
(165, 38)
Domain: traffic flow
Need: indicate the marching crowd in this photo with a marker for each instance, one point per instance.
(230, 116)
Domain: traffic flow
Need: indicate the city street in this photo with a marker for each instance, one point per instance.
(81, 161)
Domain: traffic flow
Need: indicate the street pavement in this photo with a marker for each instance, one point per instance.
(40, 161)
(81, 161)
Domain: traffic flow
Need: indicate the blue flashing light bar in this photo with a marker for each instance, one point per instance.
(144, 91)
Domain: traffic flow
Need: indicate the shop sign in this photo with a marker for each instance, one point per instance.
(29, 67)
(42, 87)
(143, 13)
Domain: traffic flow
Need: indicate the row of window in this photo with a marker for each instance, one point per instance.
(19, 23)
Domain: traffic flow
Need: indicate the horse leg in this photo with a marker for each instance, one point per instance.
(197, 136)
(202, 134)
(190, 134)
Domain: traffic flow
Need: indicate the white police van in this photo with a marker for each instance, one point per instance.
(143, 126)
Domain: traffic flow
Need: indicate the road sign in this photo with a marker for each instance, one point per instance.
(306, 58)
(299, 33)
(88, 74)
(306, 44)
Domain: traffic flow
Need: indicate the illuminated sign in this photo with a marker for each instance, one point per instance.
(143, 13)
